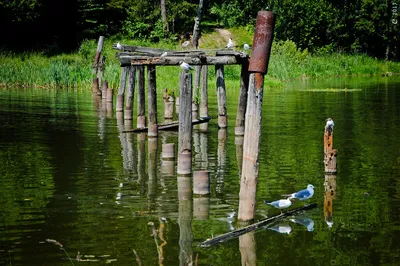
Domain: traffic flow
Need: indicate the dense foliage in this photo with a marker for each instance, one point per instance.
(360, 26)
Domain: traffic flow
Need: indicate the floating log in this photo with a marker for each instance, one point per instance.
(174, 61)
(169, 125)
(252, 227)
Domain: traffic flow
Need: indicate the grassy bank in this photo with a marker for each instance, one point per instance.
(287, 62)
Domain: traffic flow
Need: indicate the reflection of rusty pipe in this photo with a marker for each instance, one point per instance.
(262, 42)
(329, 195)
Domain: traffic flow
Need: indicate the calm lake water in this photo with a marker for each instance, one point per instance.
(68, 174)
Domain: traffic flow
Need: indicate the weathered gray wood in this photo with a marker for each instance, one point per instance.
(141, 119)
(152, 101)
(241, 111)
(221, 96)
(98, 53)
(141, 49)
(251, 148)
(104, 89)
(185, 124)
(248, 249)
(231, 53)
(164, 17)
(204, 92)
(170, 125)
(157, 55)
(196, 28)
(196, 85)
(185, 218)
(252, 227)
(100, 68)
(174, 61)
(130, 93)
(121, 90)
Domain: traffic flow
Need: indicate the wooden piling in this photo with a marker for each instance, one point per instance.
(97, 57)
(152, 168)
(248, 249)
(130, 93)
(141, 118)
(258, 65)
(221, 95)
(109, 95)
(239, 153)
(204, 92)
(185, 218)
(185, 124)
(121, 90)
(168, 105)
(104, 89)
(241, 111)
(100, 68)
(168, 159)
(96, 86)
(201, 208)
(201, 182)
(330, 154)
(152, 101)
(168, 151)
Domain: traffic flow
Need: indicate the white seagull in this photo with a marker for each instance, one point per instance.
(119, 46)
(230, 44)
(302, 194)
(246, 46)
(164, 54)
(185, 66)
(185, 44)
(280, 204)
(329, 124)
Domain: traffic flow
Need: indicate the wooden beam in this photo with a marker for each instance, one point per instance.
(141, 49)
(174, 61)
(252, 227)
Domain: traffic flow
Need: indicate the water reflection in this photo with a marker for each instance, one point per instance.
(329, 196)
(305, 221)
(281, 228)
(248, 248)
(185, 196)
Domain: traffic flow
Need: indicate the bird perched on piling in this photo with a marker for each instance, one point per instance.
(119, 46)
(329, 124)
(302, 194)
(185, 66)
(246, 47)
(280, 204)
(230, 44)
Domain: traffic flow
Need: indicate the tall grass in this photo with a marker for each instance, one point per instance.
(74, 70)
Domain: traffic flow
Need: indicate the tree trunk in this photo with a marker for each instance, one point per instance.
(164, 17)
(196, 29)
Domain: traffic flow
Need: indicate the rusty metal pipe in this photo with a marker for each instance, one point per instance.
(262, 42)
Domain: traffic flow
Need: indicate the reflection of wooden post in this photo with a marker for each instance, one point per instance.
(247, 247)
(251, 147)
(239, 153)
(221, 159)
(241, 111)
(168, 105)
(201, 182)
(201, 208)
(129, 95)
(141, 119)
(185, 124)
(98, 54)
(121, 90)
(204, 92)
(185, 196)
(109, 95)
(104, 90)
(221, 95)
(330, 154)
(141, 137)
(152, 169)
(329, 195)
(96, 89)
(152, 101)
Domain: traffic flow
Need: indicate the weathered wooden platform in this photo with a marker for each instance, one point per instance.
(169, 126)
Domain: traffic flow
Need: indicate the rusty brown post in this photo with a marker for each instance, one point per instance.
(330, 154)
(241, 111)
(152, 101)
(258, 67)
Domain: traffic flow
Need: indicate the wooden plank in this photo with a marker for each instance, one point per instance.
(192, 53)
(174, 61)
(231, 53)
(252, 227)
(128, 48)
(169, 125)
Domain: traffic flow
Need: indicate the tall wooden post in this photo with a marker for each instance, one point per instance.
(221, 95)
(204, 92)
(185, 124)
(121, 90)
(130, 93)
(98, 64)
(258, 66)
(152, 101)
(104, 89)
(330, 154)
(241, 111)
(141, 119)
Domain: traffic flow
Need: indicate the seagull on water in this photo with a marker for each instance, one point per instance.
(119, 46)
(329, 124)
(307, 222)
(280, 204)
(283, 229)
(246, 47)
(230, 44)
(185, 66)
(302, 194)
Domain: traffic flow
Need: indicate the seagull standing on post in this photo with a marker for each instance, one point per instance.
(230, 44)
(304, 194)
(185, 66)
(246, 47)
(329, 124)
(119, 46)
